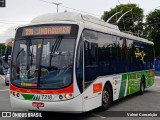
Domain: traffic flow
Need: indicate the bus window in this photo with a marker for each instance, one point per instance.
(150, 59)
(104, 53)
(115, 59)
(90, 56)
(123, 54)
(130, 47)
(91, 65)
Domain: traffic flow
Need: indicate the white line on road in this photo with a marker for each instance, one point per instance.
(156, 86)
(4, 90)
(2, 77)
(98, 115)
(157, 77)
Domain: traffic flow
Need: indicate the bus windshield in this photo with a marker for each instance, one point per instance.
(43, 63)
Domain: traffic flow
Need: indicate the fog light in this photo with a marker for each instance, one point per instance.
(18, 95)
(60, 97)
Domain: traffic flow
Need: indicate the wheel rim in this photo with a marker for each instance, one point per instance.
(105, 97)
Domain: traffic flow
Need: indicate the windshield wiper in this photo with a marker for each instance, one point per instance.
(19, 54)
(54, 48)
(29, 43)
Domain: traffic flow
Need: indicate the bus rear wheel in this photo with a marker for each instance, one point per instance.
(106, 98)
(142, 87)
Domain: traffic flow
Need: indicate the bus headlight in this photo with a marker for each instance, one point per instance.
(68, 95)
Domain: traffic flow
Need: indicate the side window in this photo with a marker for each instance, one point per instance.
(137, 52)
(140, 56)
(122, 54)
(131, 55)
(150, 58)
(0, 62)
(90, 56)
(115, 59)
(104, 54)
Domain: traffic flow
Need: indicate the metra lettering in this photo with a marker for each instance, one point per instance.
(140, 54)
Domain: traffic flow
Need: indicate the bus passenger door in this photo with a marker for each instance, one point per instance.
(91, 98)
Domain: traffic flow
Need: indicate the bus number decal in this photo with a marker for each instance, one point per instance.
(97, 87)
(46, 97)
(42, 97)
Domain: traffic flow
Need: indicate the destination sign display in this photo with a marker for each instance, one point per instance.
(47, 30)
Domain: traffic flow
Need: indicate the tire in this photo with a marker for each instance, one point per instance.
(142, 87)
(7, 84)
(106, 98)
(1, 71)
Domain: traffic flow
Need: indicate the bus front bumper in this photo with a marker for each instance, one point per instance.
(74, 105)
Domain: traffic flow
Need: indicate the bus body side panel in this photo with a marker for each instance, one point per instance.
(122, 85)
(92, 96)
(149, 76)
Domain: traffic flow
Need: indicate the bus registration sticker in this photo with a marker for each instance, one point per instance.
(97, 87)
(37, 104)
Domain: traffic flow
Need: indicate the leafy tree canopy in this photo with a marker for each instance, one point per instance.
(152, 30)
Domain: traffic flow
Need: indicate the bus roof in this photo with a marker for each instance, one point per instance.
(89, 21)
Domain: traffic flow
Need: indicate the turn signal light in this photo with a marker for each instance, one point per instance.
(13, 93)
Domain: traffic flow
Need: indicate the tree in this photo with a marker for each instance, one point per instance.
(2, 49)
(152, 30)
(133, 21)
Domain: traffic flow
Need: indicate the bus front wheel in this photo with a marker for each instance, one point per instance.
(106, 98)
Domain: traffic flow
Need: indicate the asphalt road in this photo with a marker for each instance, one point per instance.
(150, 101)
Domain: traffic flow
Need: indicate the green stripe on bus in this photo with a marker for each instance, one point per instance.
(27, 96)
(123, 85)
(134, 80)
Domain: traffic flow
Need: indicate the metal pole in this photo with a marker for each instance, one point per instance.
(113, 16)
(122, 16)
(57, 4)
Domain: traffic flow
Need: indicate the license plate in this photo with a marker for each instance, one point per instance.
(37, 104)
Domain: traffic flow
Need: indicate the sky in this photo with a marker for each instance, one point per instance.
(19, 12)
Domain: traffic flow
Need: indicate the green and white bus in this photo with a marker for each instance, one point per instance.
(69, 62)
